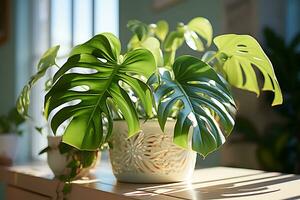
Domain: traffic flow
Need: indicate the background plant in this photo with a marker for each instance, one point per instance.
(9, 123)
(279, 144)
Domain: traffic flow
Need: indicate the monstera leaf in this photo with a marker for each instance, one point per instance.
(198, 26)
(242, 52)
(47, 61)
(205, 104)
(110, 71)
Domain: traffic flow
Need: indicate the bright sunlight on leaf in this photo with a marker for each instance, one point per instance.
(243, 51)
(101, 54)
(205, 104)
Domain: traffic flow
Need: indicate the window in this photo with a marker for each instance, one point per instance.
(68, 23)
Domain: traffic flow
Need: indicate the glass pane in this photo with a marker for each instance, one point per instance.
(61, 25)
(107, 16)
(83, 23)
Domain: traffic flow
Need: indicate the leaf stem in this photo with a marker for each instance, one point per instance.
(213, 57)
(56, 65)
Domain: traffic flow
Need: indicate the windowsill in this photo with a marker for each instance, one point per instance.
(209, 183)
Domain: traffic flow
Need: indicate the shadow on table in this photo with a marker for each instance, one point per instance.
(233, 187)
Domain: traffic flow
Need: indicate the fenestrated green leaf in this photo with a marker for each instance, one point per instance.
(203, 28)
(243, 51)
(205, 104)
(101, 54)
(47, 61)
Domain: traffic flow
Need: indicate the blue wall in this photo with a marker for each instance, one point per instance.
(14, 64)
(7, 67)
(183, 12)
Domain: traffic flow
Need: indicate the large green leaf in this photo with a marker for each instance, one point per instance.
(47, 61)
(102, 55)
(205, 104)
(243, 51)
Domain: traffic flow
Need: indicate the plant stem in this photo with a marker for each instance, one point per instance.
(213, 57)
(56, 65)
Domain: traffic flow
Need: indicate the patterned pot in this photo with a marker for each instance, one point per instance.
(150, 156)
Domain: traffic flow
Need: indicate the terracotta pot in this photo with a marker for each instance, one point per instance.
(150, 156)
(58, 162)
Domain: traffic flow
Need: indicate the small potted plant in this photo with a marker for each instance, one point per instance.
(150, 81)
(65, 161)
(9, 136)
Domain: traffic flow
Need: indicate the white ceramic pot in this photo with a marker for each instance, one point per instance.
(150, 156)
(58, 162)
(8, 146)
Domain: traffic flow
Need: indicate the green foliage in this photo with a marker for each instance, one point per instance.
(101, 54)
(170, 41)
(198, 26)
(9, 123)
(46, 61)
(161, 29)
(205, 104)
(282, 141)
(285, 56)
(279, 143)
(150, 43)
(190, 90)
(138, 28)
(242, 52)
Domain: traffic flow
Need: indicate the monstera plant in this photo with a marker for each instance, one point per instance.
(202, 86)
(97, 81)
(65, 161)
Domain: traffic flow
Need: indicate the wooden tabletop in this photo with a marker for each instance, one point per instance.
(208, 183)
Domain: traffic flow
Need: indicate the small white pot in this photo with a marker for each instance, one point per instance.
(9, 145)
(58, 162)
(150, 156)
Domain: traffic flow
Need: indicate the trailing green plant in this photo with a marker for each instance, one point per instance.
(196, 92)
(78, 160)
(46, 62)
(9, 123)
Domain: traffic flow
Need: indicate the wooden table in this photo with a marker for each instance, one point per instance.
(35, 182)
